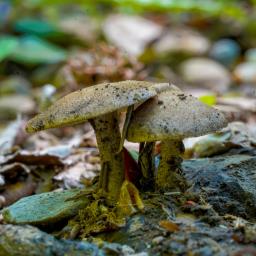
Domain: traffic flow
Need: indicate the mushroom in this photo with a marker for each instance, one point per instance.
(170, 117)
(99, 105)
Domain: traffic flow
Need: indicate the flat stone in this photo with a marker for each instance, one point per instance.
(28, 240)
(130, 33)
(225, 51)
(227, 182)
(207, 73)
(246, 72)
(46, 208)
(182, 40)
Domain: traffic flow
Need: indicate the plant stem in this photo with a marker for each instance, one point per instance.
(169, 175)
(112, 164)
(147, 165)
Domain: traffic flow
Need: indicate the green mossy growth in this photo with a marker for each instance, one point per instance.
(95, 218)
(99, 217)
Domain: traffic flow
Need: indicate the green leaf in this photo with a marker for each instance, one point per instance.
(33, 50)
(208, 99)
(37, 27)
(7, 46)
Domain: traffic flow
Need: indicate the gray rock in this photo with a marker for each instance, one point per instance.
(130, 33)
(246, 72)
(184, 40)
(225, 51)
(30, 241)
(228, 182)
(206, 73)
(11, 105)
(15, 84)
(250, 55)
(46, 208)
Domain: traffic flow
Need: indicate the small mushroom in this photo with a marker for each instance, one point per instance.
(170, 117)
(99, 105)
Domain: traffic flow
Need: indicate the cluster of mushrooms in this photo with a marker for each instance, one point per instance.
(154, 112)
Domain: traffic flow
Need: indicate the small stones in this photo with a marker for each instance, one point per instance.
(157, 240)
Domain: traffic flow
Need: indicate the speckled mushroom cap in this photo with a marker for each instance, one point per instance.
(173, 115)
(94, 101)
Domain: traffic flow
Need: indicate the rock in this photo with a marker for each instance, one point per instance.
(15, 84)
(245, 104)
(157, 239)
(130, 33)
(250, 55)
(75, 25)
(182, 40)
(227, 182)
(30, 241)
(12, 105)
(246, 72)
(45, 209)
(206, 73)
(225, 51)
(118, 249)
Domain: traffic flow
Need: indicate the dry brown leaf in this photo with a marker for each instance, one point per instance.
(169, 225)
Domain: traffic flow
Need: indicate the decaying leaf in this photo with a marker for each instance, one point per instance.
(75, 176)
(169, 225)
(237, 134)
(9, 135)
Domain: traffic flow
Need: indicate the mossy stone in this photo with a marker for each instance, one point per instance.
(46, 208)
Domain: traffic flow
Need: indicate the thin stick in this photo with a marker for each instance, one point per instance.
(125, 128)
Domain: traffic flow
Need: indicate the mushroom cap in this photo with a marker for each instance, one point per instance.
(171, 115)
(94, 101)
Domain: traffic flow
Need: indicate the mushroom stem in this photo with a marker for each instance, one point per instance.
(169, 174)
(147, 165)
(112, 165)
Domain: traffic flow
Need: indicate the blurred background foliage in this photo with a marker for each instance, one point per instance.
(48, 43)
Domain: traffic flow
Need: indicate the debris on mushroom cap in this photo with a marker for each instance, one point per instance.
(94, 101)
(173, 115)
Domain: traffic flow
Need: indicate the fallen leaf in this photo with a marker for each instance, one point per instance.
(169, 226)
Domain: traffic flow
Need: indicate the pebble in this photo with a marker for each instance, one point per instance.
(225, 51)
(157, 239)
(246, 72)
(206, 73)
(130, 33)
(182, 40)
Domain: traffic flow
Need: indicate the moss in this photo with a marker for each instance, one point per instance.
(95, 218)
(98, 217)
